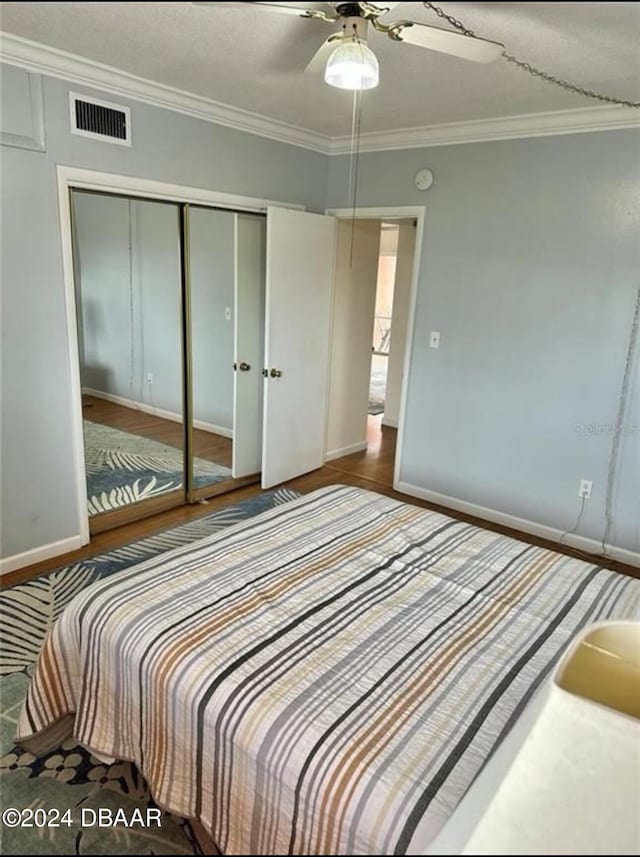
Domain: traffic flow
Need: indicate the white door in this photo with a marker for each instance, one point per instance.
(300, 258)
(250, 245)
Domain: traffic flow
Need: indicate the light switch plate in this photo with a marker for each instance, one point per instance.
(227, 313)
(434, 339)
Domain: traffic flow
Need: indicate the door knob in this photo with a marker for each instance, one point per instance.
(244, 367)
(275, 373)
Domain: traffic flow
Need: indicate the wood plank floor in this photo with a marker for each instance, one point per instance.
(371, 469)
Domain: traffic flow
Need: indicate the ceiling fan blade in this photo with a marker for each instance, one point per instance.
(319, 60)
(447, 42)
(284, 8)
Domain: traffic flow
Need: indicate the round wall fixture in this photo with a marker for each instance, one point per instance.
(424, 179)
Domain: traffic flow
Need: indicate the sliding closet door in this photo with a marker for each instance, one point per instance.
(127, 278)
(250, 247)
(300, 259)
(211, 240)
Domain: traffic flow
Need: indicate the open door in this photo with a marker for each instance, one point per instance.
(250, 238)
(299, 282)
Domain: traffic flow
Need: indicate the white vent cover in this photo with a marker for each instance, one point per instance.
(100, 120)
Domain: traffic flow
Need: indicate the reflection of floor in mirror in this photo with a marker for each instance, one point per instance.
(207, 445)
(143, 460)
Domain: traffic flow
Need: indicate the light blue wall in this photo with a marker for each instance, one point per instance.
(39, 503)
(530, 265)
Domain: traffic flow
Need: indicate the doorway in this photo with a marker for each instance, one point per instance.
(374, 290)
(382, 322)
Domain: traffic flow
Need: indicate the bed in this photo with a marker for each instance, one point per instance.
(328, 677)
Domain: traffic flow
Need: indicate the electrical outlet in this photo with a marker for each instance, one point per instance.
(434, 340)
(149, 377)
(585, 489)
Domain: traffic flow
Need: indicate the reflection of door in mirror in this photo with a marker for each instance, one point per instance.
(250, 297)
(128, 299)
(226, 275)
(211, 266)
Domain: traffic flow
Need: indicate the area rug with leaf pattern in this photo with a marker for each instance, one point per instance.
(124, 468)
(69, 777)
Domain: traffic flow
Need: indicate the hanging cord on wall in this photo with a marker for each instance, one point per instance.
(576, 525)
(529, 69)
(615, 446)
(619, 424)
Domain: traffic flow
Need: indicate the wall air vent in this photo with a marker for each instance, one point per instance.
(100, 120)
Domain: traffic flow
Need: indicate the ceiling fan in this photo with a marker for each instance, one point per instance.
(345, 57)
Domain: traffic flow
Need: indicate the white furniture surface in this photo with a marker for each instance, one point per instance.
(566, 780)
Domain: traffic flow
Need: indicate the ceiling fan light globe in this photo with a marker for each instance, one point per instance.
(353, 66)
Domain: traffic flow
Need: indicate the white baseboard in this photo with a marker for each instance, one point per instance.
(156, 412)
(346, 450)
(389, 422)
(21, 560)
(581, 543)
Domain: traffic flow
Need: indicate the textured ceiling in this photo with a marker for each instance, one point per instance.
(254, 59)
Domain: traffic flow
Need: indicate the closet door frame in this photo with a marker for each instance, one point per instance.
(72, 178)
(187, 351)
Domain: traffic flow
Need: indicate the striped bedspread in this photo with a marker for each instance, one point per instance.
(320, 678)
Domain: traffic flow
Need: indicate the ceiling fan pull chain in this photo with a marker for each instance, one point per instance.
(570, 87)
(450, 19)
(534, 72)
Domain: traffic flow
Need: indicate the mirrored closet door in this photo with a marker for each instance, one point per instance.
(170, 314)
(203, 348)
(249, 341)
(127, 267)
(211, 282)
(225, 275)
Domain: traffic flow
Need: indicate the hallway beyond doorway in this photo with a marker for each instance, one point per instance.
(378, 383)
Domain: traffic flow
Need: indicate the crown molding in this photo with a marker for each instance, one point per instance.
(37, 57)
(577, 121)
